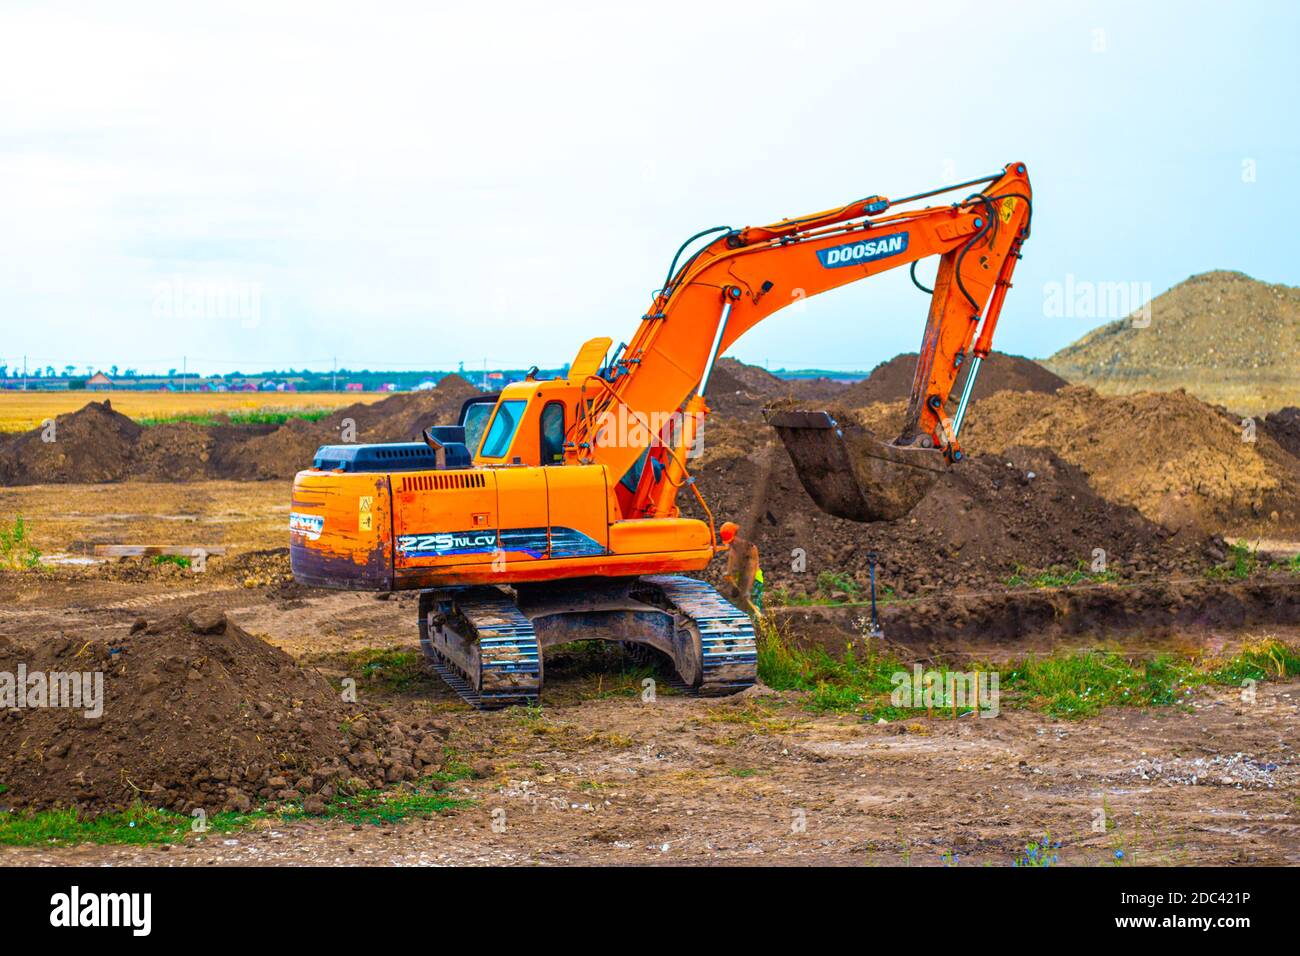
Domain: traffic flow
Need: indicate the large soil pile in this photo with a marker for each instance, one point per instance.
(892, 381)
(1024, 507)
(1225, 337)
(92, 444)
(97, 443)
(738, 392)
(287, 450)
(1284, 428)
(1177, 460)
(197, 713)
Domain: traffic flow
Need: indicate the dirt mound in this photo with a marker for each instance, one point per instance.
(290, 448)
(94, 443)
(1225, 337)
(749, 378)
(97, 444)
(1284, 428)
(981, 521)
(1178, 460)
(196, 713)
(739, 392)
(892, 381)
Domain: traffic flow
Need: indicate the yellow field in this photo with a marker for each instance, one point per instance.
(20, 411)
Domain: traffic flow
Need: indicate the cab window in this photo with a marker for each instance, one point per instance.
(474, 420)
(502, 430)
(552, 443)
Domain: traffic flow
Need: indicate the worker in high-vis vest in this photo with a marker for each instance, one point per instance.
(743, 573)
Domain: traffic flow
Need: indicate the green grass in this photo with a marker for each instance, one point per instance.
(835, 685)
(1242, 562)
(139, 825)
(376, 807)
(16, 549)
(1080, 685)
(1068, 686)
(177, 559)
(1058, 576)
(252, 416)
(1039, 853)
(829, 583)
(393, 670)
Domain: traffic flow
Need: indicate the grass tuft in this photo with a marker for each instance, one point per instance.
(17, 552)
(1069, 686)
(252, 416)
(138, 825)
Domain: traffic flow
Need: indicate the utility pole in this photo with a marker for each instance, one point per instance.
(24, 373)
(335, 386)
(184, 371)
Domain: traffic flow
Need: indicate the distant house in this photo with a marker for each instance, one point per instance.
(388, 387)
(354, 387)
(99, 382)
(426, 385)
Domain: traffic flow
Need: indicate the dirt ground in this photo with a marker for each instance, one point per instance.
(599, 776)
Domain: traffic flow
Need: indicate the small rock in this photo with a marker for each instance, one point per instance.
(206, 620)
(314, 805)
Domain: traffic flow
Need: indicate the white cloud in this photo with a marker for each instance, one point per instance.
(424, 183)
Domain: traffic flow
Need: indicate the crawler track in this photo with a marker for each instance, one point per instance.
(486, 649)
(482, 646)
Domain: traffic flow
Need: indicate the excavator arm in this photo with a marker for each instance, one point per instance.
(714, 295)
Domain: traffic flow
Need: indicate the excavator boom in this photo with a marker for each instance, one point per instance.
(742, 276)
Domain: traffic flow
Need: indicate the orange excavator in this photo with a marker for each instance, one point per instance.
(549, 513)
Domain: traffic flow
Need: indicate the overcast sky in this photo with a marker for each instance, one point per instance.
(264, 185)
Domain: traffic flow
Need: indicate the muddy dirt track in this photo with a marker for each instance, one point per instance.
(598, 776)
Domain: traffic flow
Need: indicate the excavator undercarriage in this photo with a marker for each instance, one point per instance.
(488, 643)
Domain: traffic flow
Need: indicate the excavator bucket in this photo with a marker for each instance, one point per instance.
(850, 474)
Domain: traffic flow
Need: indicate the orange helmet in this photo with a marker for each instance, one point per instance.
(728, 531)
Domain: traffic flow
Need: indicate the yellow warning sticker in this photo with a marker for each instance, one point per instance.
(364, 502)
(365, 521)
(1008, 207)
